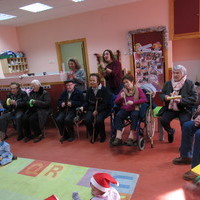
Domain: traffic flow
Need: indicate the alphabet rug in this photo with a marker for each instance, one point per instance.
(28, 179)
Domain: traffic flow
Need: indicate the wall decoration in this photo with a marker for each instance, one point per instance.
(148, 48)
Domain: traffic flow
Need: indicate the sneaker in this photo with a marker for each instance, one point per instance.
(27, 139)
(190, 176)
(20, 138)
(171, 135)
(129, 142)
(182, 161)
(117, 142)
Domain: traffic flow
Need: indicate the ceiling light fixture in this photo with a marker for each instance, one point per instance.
(78, 0)
(36, 7)
(5, 16)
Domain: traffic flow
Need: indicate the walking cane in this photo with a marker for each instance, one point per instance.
(94, 122)
(66, 111)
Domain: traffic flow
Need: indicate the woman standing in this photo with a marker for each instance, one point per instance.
(112, 72)
(77, 73)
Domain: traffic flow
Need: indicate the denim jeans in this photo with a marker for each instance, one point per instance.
(122, 115)
(188, 149)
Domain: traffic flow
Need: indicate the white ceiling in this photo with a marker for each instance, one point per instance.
(62, 8)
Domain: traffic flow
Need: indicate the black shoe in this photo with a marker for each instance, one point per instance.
(103, 139)
(130, 142)
(171, 135)
(182, 161)
(37, 139)
(117, 142)
(71, 139)
(27, 139)
(62, 139)
(21, 137)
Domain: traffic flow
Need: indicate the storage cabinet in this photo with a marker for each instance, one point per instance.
(184, 19)
(14, 65)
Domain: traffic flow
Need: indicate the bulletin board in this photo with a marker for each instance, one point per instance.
(148, 50)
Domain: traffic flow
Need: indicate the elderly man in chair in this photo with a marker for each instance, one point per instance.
(70, 99)
(15, 106)
(39, 109)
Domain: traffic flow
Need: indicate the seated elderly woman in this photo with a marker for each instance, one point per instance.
(97, 108)
(77, 73)
(129, 100)
(37, 113)
(179, 96)
(15, 106)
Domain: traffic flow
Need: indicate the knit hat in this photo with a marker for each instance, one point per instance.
(102, 181)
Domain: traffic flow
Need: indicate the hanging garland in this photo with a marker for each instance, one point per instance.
(145, 30)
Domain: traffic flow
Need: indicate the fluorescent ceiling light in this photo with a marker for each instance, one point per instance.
(78, 0)
(5, 16)
(36, 7)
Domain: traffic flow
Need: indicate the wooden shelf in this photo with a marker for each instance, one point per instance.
(11, 66)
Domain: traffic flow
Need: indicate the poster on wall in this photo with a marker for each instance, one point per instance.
(148, 47)
(149, 65)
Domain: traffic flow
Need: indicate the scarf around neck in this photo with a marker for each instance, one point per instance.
(176, 89)
(133, 92)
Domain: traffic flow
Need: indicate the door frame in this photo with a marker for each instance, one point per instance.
(84, 52)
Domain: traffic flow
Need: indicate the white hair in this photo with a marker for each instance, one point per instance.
(181, 68)
(36, 82)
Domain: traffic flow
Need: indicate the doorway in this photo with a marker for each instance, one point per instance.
(73, 49)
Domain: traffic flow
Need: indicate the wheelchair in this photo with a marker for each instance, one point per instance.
(145, 128)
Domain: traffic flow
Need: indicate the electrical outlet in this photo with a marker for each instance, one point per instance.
(46, 86)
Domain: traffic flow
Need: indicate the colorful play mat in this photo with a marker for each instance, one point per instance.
(28, 179)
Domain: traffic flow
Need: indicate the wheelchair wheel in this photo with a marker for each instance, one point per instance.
(150, 124)
(141, 143)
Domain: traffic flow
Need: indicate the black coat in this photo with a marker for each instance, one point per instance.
(41, 106)
(103, 98)
(76, 99)
(187, 92)
(21, 98)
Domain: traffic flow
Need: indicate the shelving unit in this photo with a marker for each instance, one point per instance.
(13, 65)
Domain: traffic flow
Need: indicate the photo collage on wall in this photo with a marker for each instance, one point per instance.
(149, 65)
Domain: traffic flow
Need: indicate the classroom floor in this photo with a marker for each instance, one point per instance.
(158, 176)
